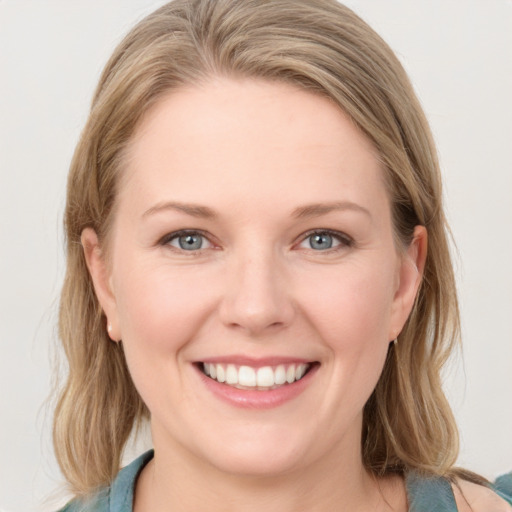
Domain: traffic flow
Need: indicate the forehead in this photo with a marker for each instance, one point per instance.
(249, 137)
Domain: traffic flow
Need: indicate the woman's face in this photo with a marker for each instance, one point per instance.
(253, 241)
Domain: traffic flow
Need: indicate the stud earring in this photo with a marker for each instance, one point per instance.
(395, 341)
(109, 330)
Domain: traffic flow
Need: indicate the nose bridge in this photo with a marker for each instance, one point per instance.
(256, 296)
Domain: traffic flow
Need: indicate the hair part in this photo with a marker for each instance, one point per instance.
(319, 46)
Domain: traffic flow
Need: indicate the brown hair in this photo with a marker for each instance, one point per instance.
(320, 46)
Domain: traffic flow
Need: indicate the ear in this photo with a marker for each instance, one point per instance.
(410, 275)
(100, 275)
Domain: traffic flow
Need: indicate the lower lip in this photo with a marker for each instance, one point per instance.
(263, 399)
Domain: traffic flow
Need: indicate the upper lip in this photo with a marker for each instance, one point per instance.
(240, 360)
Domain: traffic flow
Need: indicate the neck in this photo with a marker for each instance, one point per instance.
(177, 481)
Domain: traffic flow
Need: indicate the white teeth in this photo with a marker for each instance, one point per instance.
(231, 374)
(246, 376)
(221, 374)
(265, 377)
(280, 375)
(300, 371)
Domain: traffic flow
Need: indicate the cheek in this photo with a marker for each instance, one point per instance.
(353, 306)
(350, 314)
(160, 311)
(160, 307)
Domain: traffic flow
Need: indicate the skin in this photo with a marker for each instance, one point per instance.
(254, 153)
(471, 497)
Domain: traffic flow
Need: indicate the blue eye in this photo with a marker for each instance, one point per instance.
(325, 240)
(187, 241)
(321, 241)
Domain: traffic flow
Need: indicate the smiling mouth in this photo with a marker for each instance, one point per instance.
(262, 379)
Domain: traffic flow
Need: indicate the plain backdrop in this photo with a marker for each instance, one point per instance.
(459, 56)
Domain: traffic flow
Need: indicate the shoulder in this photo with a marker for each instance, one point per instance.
(98, 502)
(436, 493)
(118, 497)
(503, 486)
(472, 497)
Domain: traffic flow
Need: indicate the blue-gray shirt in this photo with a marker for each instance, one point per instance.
(424, 494)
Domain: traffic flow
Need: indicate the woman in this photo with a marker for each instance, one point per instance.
(258, 264)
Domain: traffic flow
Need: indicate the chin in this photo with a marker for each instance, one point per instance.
(260, 454)
(267, 464)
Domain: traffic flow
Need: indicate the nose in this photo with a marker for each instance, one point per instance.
(257, 297)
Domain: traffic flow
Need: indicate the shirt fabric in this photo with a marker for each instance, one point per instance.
(424, 494)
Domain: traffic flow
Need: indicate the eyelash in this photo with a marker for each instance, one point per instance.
(343, 239)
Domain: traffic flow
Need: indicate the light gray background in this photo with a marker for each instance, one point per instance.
(459, 55)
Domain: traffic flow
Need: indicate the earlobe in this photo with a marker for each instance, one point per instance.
(100, 276)
(411, 271)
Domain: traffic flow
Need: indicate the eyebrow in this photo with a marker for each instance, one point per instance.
(317, 209)
(190, 209)
(307, 211)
